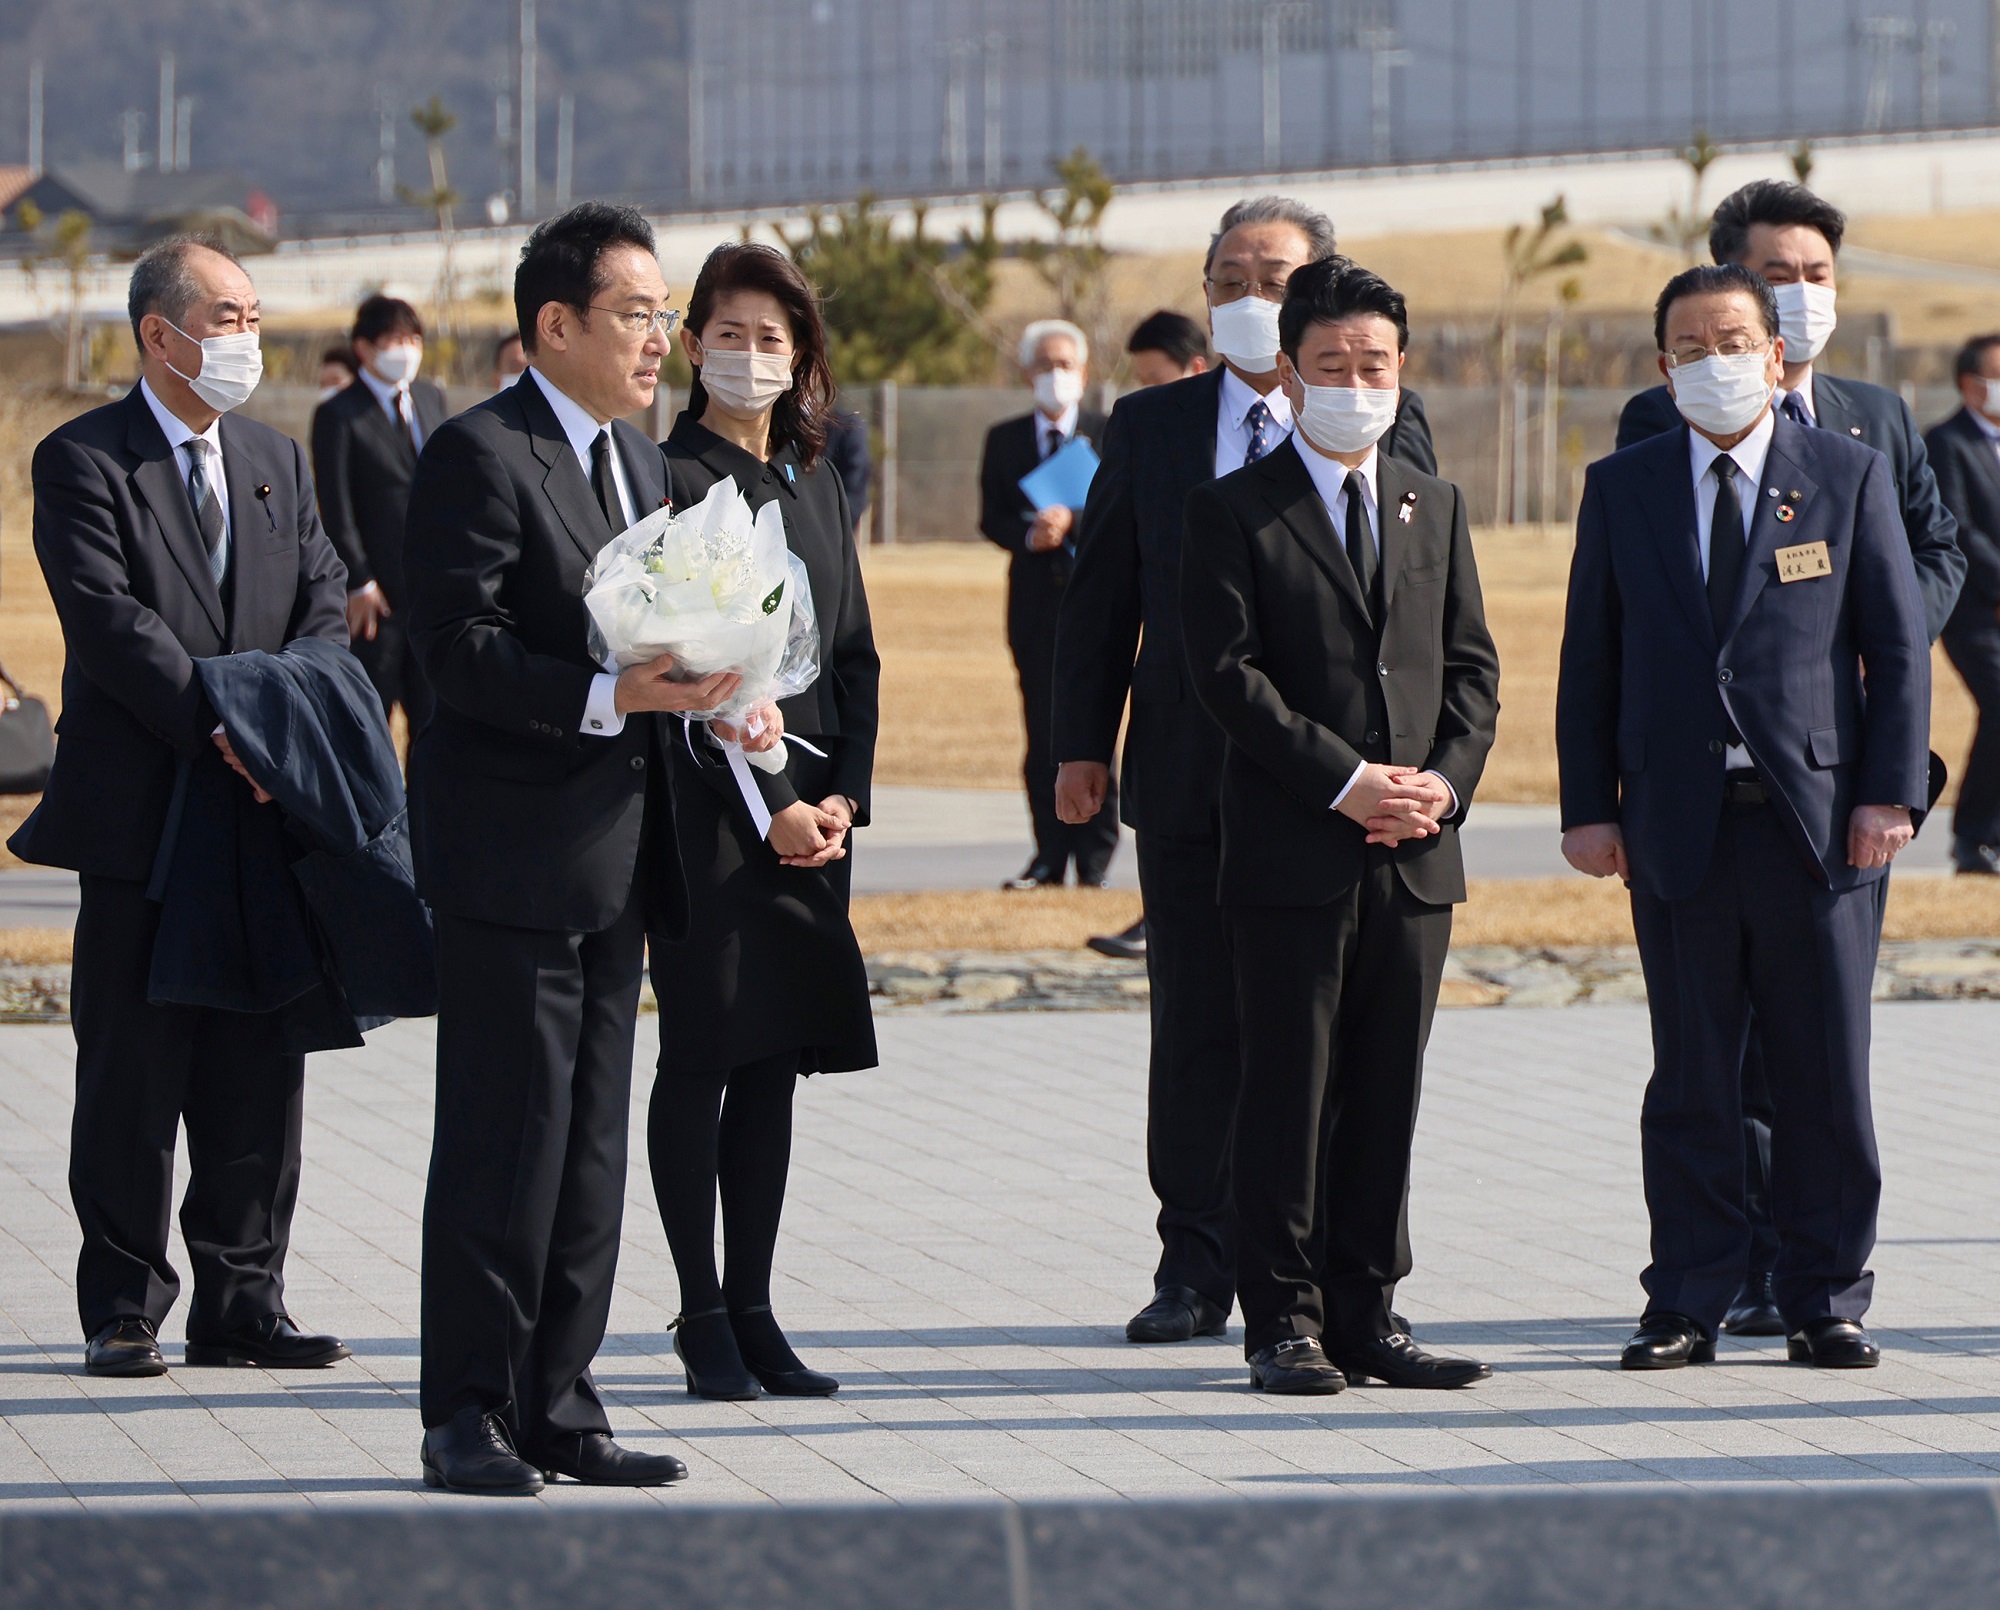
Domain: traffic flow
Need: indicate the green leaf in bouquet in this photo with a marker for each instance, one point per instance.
(774, 598)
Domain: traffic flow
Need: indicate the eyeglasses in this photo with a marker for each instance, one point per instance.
(1236, 290)
(656, 321)
(1738, 347)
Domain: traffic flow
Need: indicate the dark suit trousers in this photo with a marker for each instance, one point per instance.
(1336, 1003)
(1032, 603)
(1760, 934)
(1974, 649)
(527, 1178)
(141, 1072)
(1195, 1073)
(396, 672)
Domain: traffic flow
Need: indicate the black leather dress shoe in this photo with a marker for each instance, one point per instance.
(1398, 1361)
(472, 1453)
(1295, 1369)
(1039, 875)
(779, 1370)
(705, 1343)
(1755, 1311)
(1130, 946)
(593, 1458)
(1667, 1342)
(124, 1347)
(272, 1343)
(1833, 1344)
(1176, 1314)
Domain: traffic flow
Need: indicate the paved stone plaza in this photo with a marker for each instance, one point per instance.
(969, 1228)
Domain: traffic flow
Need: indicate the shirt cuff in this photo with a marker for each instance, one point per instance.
(601, 715)
(1354, 778)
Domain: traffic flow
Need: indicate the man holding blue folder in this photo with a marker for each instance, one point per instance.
(1032, 479)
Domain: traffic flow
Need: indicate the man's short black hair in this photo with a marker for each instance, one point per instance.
(1776, 202)
(381, 315)
(1176, 335)
(1337, 288)
(1969, 355)
(562, 261)
(344, 356)
(1708, 279)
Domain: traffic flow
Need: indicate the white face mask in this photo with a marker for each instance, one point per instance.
(1805, 318)
(747, 381)
(398, 365)
(1246, 333)
(1346, 419)
(231, 366)
(1057, 389)
(1723, 395)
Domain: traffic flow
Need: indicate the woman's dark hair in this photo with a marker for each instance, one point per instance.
(1776, 202)
(1174, 334)
(799, 418)
(383, 315)
(1710, 279)
(1337, 288)
(562, 260)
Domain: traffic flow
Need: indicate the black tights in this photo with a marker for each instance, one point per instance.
(731, 1130)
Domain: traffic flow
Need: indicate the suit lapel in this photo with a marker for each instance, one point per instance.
(1292, 495)
(563, 482)
(1832, 408)
(1783, 473)
(1979, 446)
(1201, 408)
(645, 470)
(159, 485)
(387, 429)
(1392, 485)
(252, 525)
(1670, 511)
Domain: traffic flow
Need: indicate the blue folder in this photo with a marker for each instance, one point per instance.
(1062, 480)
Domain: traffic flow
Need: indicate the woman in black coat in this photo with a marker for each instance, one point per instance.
(769, 983)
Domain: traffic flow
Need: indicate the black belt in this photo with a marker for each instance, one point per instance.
(1744, 787)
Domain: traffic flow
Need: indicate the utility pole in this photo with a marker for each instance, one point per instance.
(35, 118)
(1384, 58)
(1930, 69)
(990, 97)
(1883, 36)
(698, 134)
(958, 53)
(1274, 91)
(529, 205)
(503, 134)
(166, 111)
(565, 149)
(133, 121)
(183, 133)
(385, 162)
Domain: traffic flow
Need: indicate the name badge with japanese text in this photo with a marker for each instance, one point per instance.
(1802, 563)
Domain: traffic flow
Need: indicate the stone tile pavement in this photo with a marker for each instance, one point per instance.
(968, 1229)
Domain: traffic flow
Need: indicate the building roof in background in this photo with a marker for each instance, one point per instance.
(130, 209)
(13, 180)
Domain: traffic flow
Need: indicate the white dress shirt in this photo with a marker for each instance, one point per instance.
(1329, 478)
(178, 436)
(1232, 430)
(1987, 428)
(601, 716)
(394, 399)
(1749, 455)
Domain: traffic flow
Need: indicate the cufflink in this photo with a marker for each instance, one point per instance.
(597, 726)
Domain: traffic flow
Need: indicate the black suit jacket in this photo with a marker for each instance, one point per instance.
(1158, 446)
(1306, 682)
(123, 557)
(1877, 416)
(1647, 691)
(363, 461)
(1005, 514)
(517, 817)
(1968, 479)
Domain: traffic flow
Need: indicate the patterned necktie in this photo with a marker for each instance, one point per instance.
(1360, 540)
(1725, 545)
(207, 506)
(607, 487)
(1259, 420)
(1794, 409)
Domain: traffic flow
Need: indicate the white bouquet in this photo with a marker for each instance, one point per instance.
(717, 588)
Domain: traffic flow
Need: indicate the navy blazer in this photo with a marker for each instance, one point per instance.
(1968, 478)
(1877, 416)
(1647, 693)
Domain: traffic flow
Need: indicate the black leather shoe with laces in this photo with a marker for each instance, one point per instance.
(1667, 1342)
(1833, 1344)
(1755, 1311)
(472, 1453)
(1177, 1314)
(592, 1458)
(125, 1347)
(272, 1343)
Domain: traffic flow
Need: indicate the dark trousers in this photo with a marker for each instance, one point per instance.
(1974, 650)
(1336, 1004)
(527, 1177)
(1195, 1071)
(1761, 934)
(1031, 634)
(141, 1072)
(393, 667)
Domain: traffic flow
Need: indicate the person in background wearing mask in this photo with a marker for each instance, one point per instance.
(509, 361)
(1166, 346)
(336, 371)
(1790, 238)
(1965, 454)
(365, 443)
(1335, 633)
(1120, 633)
(1723, 754)
(1055, 356)
(169, 530)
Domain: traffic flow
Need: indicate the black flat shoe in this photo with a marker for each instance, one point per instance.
(1398, 1361)
(1130, 946)
(271, 1343)
(1295, 1369)
(779, 1370)
(125, 1347)
(472, 1453)
(1177, 1314)
(1755, 1311)
(592, 1458)
(1039, 875)
(1833, 1344)
(706, 1346)
(1667, 1342)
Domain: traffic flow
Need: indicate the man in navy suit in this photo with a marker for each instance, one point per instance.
(1741, 725)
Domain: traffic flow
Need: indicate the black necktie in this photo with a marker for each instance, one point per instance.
(1053, 441)
(1725, 545)
(1360, 541)
(601, 479)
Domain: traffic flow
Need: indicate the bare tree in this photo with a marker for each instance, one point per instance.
(1528, 254)
(63, 243)
(1686, 231)
(434, 121)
